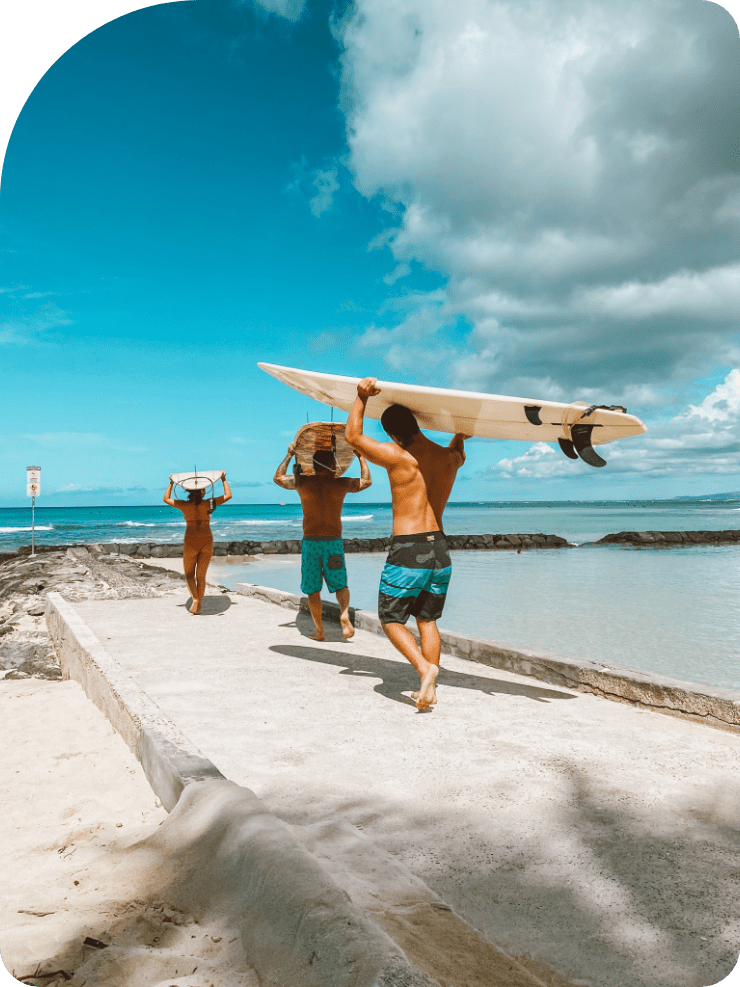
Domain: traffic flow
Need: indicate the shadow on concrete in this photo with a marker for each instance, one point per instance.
(397, 678)
(211, 606)
(612, 892)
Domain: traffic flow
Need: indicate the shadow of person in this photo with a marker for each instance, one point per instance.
(210, 606)
(305, 625)
(397, 677)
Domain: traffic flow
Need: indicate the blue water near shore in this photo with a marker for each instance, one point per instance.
(673, 611)
(577, 521)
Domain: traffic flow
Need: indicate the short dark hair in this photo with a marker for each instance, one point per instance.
(325, 459)
(195, 496)
(399, 422)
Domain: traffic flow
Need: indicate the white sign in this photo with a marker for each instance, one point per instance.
(33, 481)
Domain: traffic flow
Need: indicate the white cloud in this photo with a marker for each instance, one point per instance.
(290, 9)
(326, 184)
(571, 168)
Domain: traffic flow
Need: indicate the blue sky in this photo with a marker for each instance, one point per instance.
(540, 199)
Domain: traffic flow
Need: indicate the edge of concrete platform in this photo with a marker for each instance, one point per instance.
(713, 706)
(297, 925)
(170, 761)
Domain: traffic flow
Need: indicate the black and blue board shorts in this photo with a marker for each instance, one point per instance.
(415, 578)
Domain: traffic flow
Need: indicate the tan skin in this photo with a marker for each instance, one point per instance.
(421, 475)
(322, 497)
(197, 514)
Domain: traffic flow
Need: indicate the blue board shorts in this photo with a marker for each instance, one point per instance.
(322, 559)
(415, 578)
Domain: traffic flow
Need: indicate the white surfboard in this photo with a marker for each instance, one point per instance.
(196, 479)
(577, 427)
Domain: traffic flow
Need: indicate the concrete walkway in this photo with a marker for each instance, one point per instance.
(596, 838)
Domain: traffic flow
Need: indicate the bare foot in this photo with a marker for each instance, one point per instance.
(426, 695)
(319, 635)
(415, 696)
(348, 630)
(195, 609)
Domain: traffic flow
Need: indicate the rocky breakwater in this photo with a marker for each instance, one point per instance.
(292, 546)
(667, 539)
(25, 648)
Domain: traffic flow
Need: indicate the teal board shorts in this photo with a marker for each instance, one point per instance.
(322, 559)
(415, 578)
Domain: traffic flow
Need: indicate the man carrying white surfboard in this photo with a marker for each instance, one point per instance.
(322, 550)
(417, 572)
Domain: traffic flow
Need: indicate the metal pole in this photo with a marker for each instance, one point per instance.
(33, 527)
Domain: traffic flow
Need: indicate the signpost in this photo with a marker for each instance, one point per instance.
(33, 489)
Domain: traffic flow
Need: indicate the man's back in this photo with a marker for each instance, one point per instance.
(438, 465)
(322, 498)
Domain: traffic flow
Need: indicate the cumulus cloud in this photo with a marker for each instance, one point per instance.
(572, 167)
(704, 439)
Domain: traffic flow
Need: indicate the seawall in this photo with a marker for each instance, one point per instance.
(487, 542)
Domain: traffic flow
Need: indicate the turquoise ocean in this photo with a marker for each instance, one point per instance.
(673, 611)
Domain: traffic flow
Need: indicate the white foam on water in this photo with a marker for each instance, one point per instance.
(39, 527)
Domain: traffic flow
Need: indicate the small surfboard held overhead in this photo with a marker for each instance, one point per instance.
(318, 436)
(576, 427)
(196, 479)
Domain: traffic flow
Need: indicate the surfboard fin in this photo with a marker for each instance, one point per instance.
(532, 411)
(581, 436)
(567, 446)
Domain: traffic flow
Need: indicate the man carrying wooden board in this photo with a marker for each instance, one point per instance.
(418, 569)
(322, 551)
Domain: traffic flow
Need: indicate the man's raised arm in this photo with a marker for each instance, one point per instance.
(457, 444)
(286, 482)
(381, 453)
(364, 481)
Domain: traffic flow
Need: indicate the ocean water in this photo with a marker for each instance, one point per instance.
(674, 612)
(671, 611)
(577, 521)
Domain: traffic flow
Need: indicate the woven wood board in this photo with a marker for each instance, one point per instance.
(318, 435)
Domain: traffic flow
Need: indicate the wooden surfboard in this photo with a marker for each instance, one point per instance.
(577, 427)
(322, 435)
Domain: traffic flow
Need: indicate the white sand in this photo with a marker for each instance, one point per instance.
(76, 805)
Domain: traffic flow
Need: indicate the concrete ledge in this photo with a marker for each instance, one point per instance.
(169, 760)
(701, 703)
(297, 926)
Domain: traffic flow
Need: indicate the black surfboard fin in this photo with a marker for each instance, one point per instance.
(532, 411)
(567, 446)
(581, 435)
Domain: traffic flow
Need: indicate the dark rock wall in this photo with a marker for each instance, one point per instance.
(471, 542)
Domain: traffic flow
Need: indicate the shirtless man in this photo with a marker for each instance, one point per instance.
(322, 551)
(417, 573)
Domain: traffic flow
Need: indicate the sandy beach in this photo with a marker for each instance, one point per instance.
(82, 882)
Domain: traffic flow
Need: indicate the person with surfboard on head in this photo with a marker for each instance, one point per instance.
(322, 551)
(417, 572)
(197, 548)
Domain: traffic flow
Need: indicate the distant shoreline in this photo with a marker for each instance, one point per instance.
(629, 501)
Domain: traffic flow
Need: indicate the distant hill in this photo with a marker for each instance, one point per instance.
(732, 495)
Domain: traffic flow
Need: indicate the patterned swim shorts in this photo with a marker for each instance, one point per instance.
(322, 558)
(415, 578)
